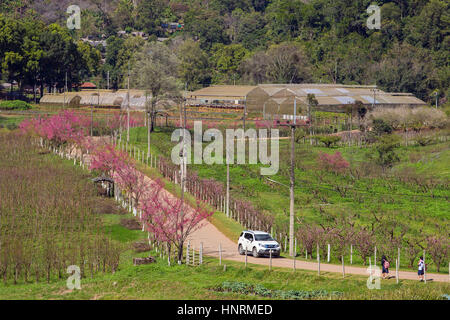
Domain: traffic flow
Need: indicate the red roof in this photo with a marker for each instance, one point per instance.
(88, 85)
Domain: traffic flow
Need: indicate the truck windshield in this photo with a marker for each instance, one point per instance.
(263, 237)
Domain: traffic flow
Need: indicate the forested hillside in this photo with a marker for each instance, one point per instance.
(239, 41)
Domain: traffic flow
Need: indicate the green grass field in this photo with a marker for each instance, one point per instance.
(10, 121)
(318, 190)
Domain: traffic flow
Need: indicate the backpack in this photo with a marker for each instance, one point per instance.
(386, 264)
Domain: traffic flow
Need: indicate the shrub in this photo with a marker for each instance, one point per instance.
(423, 140)
(299, 135)
(14, 105)
(328, 141)
(11, 126)
(381, 127)
(386, 149)
(246, 288)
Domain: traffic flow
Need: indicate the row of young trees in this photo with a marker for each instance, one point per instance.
(384, 234)
(47, 219)
(166, 218)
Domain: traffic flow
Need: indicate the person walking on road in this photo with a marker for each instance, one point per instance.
(385, 267)
(421, 269)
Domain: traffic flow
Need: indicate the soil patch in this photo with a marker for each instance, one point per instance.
(130, 224)
(147, 260)
(141, 246)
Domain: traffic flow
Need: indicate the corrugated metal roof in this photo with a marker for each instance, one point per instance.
(222, 91)
(101, 98)
(271, 90)
(330, 94)
(57, 98)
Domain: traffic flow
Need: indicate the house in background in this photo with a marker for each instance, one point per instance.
(88, 86)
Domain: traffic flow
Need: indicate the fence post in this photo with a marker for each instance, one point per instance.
(375, 257)
(424, 268)
(318, 260)
(201, 253)
(396, 269)
(188, 247)
(328, 256)
(343, 268)
(220, 254)
(270, 260)
(295, 252)
(245, 258)
(193, 256)
(351, 254)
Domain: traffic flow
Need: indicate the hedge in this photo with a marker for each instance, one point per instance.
(14, 105)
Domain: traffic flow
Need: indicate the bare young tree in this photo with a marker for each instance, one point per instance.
(155, 71)
(438, 248)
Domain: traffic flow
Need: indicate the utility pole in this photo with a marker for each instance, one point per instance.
(184, 128)
(228, 191)
(65, 88)
(310, 121)
(335, 72)
(245, 111)
(436, 94)
(182, 163)
(147, 111)
(128, 106)
(92, 118)
(98, 97)
(264, 110)
(374, 97)
(293, 126)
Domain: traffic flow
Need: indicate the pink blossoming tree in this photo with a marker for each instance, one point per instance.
(169, 219)
(333, 162)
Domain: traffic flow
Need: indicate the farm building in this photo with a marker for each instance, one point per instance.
(278, 99)
(220, 96)
(71, 99)
(103, 99)
(96, 98)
